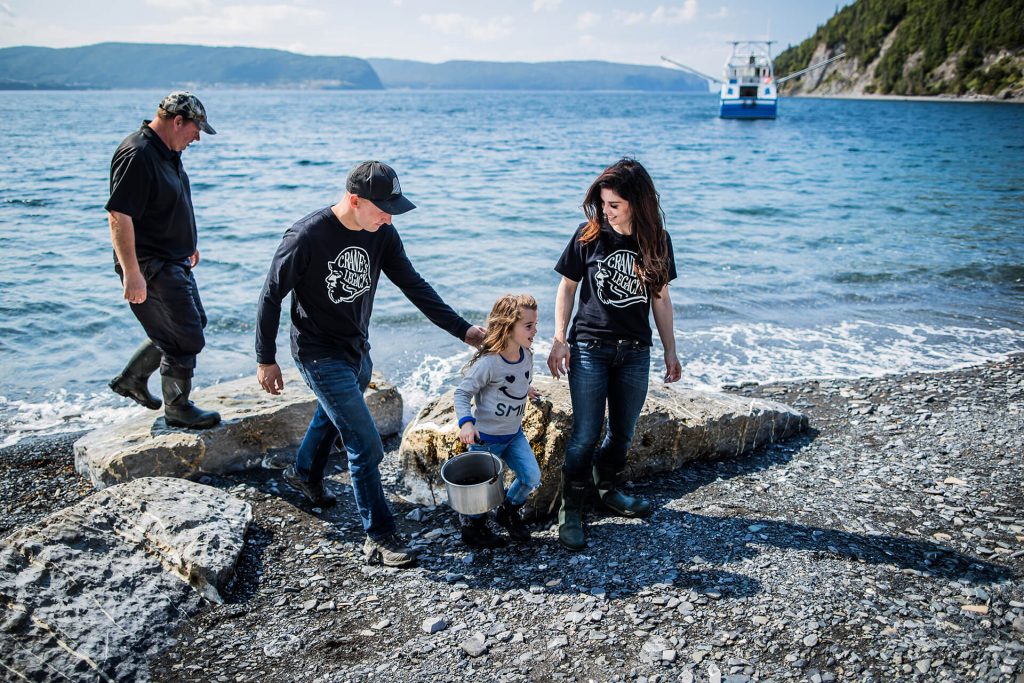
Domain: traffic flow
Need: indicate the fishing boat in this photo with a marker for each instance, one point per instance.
(749, 89)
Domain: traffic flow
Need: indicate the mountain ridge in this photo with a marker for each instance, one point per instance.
(157, 65)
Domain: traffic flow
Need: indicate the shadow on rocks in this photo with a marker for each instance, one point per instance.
(683, 548)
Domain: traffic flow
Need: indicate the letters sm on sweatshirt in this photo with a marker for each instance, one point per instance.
(499, 389)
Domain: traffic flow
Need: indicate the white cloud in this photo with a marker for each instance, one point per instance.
(6, 9)
(629, 18)
(182, 5)
(587, 20)
(470, 27)
(541, 5)
(232, 23)
(682, 14)
(722, 13)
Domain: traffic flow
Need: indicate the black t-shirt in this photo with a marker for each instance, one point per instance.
(149, 183)
(614, 303)
(332, 273)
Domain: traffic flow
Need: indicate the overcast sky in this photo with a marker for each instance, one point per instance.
(690, 31)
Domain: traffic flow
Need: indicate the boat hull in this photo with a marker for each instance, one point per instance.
(748, 109)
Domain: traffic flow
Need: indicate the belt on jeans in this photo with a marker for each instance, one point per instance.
(612, 342)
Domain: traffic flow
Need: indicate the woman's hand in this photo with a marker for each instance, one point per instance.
(673, 370)
(468, 433)
(558, 359)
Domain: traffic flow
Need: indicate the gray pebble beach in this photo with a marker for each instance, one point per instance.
(885, 544)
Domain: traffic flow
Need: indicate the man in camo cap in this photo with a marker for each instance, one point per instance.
(153, 229)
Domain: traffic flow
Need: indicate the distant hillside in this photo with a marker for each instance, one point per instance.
(915, 47)
(465, 75)
(141, 65)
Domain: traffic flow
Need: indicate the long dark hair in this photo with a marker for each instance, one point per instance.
(505, 313)
(630, 180)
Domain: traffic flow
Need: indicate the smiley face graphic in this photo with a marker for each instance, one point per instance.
(511, 379)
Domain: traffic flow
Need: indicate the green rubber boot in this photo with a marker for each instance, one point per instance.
(614, 500)
(570, 515)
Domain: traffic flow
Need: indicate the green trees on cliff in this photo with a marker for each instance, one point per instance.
(928, 33)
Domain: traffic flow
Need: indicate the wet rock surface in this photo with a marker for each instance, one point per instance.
(256, 427)
(885, 544)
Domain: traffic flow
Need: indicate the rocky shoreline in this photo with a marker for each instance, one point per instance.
(888, 543)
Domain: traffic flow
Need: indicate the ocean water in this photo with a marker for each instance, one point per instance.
(845, 238)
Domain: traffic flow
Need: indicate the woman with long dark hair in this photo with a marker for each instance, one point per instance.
(621, 262)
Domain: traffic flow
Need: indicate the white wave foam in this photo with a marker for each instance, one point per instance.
(711, 358)
(733, 354)
(57, 413)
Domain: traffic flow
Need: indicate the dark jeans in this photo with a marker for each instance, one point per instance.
(172, 314)
(608, 372)
(341, 409)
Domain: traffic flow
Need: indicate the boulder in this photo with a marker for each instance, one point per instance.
(255, 427)
(96, 590)
(676, 426)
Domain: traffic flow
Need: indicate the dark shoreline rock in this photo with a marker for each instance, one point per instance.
(884, 544)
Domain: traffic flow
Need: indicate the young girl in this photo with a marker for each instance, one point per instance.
(497, 380)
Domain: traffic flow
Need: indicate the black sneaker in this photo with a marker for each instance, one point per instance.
(509, 517)
(315, 491)
(476, 533)
(388, 551)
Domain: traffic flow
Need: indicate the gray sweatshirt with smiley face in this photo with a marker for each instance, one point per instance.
(498, 389)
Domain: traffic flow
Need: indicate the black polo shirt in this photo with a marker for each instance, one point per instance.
(149, 183)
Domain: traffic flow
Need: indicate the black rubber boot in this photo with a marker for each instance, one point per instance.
(477, 534)
(509, 517)
(616, 501)
(133, 382)
(181, 412)
(570, 515)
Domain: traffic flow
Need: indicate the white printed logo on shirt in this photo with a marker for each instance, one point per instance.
(348, 275)
(615, 281)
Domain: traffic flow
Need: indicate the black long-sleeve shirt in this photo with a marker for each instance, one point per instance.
(332, 273)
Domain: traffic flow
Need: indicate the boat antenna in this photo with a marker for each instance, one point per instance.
(690, 70)
(801, 72)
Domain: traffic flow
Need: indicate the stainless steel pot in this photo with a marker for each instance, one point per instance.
(473, 482)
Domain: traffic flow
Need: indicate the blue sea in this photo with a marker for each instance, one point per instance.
(845, 238)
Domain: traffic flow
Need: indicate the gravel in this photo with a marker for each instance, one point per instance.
(885, 544)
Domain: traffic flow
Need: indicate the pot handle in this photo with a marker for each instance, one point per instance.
(494, 467)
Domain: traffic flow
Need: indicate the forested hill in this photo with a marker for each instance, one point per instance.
(142, 65)
(915, 47)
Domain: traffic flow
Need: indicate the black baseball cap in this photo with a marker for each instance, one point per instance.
(378, 182)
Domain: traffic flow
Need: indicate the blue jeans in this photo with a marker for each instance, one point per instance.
(340, 409)
(519, 457)
(606, 372)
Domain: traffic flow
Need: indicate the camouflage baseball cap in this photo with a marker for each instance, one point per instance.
(188, 105)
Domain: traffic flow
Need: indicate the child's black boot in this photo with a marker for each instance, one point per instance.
(509, 517)
(477, 534)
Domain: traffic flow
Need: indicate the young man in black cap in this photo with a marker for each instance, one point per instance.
(153, 229)
(331, 261)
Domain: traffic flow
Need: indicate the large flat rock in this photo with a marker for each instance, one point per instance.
(255, 426)
(676, 426)
(94, 591)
